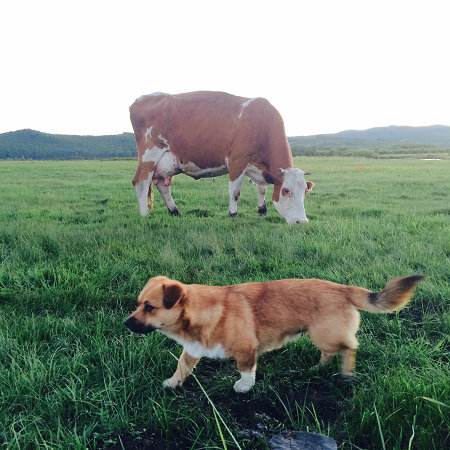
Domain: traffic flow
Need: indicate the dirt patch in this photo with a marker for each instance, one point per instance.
(253, 417)
(142, 440)
(308, 406)
(257, 417)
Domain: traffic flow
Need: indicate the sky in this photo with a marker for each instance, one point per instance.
(75, 67)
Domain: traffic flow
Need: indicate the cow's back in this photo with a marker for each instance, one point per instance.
(199, 127)
(207, 128)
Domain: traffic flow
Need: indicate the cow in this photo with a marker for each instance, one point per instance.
(207, 134)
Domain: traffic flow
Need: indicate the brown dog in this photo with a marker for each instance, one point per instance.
(245, 320)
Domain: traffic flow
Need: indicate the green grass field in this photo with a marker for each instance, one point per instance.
(75, 253)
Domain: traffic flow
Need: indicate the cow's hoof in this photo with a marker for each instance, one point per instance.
(174, 212)
(262, 211)
(232, 215)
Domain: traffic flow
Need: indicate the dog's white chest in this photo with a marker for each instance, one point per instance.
(196, 350)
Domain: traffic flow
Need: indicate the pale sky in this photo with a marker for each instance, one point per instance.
(74, 67)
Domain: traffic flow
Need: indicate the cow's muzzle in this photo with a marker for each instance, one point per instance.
(138, 327)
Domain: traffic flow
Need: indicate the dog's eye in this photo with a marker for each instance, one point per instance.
(148, 308)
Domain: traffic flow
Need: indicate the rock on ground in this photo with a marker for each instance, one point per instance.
(296, 440)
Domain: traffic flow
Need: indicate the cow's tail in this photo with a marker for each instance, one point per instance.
(396, 294)
(150, 197)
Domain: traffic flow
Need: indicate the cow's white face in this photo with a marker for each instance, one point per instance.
(292, 193)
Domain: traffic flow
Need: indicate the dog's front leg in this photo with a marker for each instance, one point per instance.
(247, 369)
(186, 364)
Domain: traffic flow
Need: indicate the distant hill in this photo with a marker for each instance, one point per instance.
(438, 135)
(392, 141)
(30, 144)
(431, 135)
(382, 142)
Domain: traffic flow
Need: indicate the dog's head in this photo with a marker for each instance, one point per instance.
(160, 305)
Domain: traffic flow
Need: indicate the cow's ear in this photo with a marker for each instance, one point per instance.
(309, 186)
(172, 293)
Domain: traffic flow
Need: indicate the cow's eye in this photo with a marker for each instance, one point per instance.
(286, 191)
(148, 308)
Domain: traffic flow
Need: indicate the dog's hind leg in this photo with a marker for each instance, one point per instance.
(325, 358)
(348, 361)
(337, 335)
(186, 365)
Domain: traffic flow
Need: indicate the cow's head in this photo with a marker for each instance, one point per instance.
(289, 193)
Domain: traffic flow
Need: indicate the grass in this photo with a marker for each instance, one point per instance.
(74, 254)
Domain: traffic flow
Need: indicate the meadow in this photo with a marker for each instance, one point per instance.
(75, 253)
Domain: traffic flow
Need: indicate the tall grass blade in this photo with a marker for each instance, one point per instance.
(220, 430)
(379, 429)
(413, 431)
(436, 402)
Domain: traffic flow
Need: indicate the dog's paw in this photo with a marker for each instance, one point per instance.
(171, 383)
(347, 375)
(242, 387)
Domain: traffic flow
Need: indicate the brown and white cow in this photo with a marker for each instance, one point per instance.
(207, 134)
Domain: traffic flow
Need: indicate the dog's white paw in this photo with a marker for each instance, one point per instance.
(242, 386)
(171, 383)
(246, 382)
(348, 374)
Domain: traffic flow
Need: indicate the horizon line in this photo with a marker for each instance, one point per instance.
(292, 135)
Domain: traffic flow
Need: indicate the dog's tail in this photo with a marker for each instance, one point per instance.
(396, 294)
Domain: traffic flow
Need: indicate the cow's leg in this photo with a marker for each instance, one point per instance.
(142, 190)
(234, 190)
(164, 190)
(262, 207)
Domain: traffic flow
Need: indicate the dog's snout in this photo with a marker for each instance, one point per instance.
(129, 322)
(138, 327)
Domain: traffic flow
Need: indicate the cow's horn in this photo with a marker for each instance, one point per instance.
(282, 170)
(307, 173)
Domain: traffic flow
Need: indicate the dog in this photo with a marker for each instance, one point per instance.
(245, 320)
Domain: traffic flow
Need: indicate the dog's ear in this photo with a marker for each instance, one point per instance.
(172, 293)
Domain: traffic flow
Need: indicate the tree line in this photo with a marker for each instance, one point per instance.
(35, 145)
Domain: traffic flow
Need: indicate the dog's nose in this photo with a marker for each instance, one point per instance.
(138, 327)
(129, 322)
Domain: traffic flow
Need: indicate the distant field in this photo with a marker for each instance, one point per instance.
(390, 152)
(74, 254)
